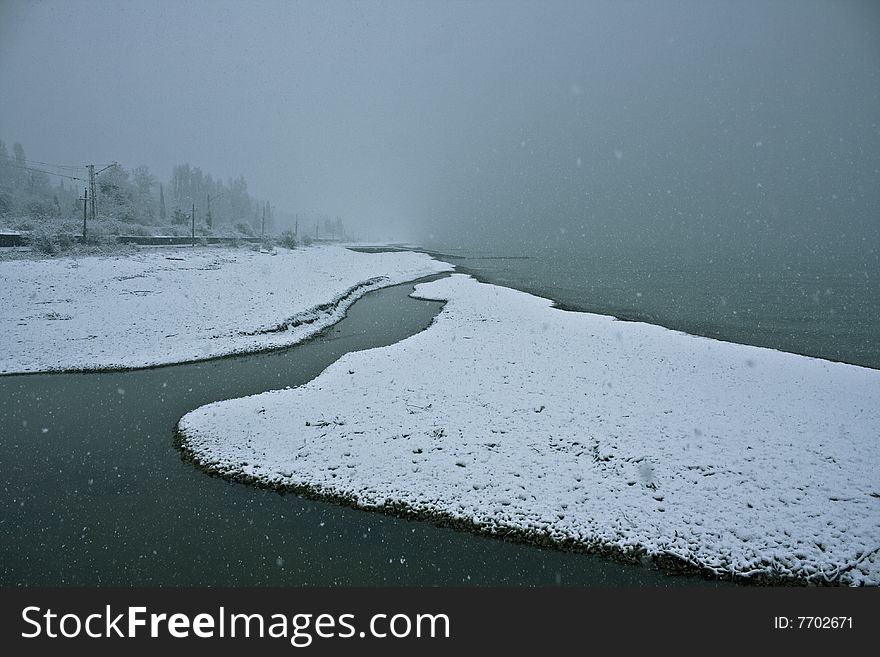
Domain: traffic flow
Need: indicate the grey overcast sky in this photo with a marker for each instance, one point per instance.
(473, 120)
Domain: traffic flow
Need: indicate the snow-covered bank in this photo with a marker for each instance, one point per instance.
(183, 304)
(512, 417)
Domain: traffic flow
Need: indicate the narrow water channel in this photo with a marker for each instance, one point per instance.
(96, 493)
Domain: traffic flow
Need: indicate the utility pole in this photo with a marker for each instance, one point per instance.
(263, 226)
(93, 190)
(85, 200)
(194, 225)
(296, 226)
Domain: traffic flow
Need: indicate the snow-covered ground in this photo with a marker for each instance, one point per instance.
(512, 417)
(175, 305)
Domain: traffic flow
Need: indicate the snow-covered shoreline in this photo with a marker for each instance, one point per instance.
(160, 307)
(511, 417)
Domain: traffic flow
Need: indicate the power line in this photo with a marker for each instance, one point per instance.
(57, 166)
(49, 173)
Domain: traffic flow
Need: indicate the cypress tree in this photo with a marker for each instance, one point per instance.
(161, 204)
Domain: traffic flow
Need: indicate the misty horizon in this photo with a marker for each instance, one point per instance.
(520, 126)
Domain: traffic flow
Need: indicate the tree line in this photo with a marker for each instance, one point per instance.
(42, 191)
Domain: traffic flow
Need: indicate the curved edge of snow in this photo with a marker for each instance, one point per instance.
(513, 418)
(151, 310)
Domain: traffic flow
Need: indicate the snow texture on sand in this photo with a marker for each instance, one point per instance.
(181, 305)
(515, 418)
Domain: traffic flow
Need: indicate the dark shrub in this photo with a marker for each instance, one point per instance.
(43, 243)
(288, 239)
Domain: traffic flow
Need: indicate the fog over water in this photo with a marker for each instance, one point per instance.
(709, 166)
(685, 127)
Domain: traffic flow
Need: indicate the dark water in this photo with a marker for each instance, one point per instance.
(823, 307)
(95, 493)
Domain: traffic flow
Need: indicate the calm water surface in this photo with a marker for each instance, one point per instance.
(96, 493)
(824, 308)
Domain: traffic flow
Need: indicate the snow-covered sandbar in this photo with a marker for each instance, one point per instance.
(177, 305)
(514, 418)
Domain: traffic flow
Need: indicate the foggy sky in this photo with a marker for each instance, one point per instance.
(461, 123)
